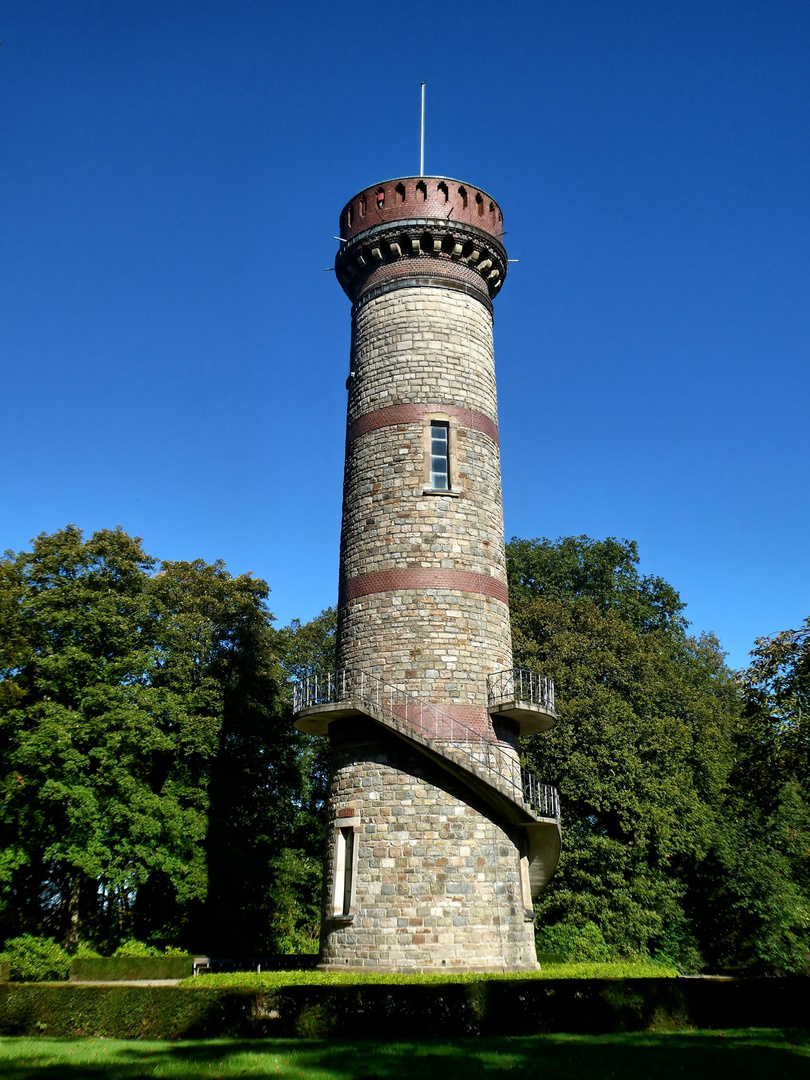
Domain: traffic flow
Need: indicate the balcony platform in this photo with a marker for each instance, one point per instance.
(315, 719)
(529, 716)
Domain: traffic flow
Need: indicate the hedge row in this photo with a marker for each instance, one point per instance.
(111, 968)
(415, 1011)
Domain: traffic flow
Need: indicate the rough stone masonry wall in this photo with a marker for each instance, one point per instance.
(437, 880)
(423, 577)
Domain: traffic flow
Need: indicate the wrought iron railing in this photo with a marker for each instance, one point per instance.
(519, 684)
(432, 723)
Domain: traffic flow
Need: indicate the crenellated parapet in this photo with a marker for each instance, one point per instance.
(420, 197)
(421, 239)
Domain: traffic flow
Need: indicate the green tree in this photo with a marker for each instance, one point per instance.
(776, 686)
(83, 731)
(759, 877)
(220, 651)
(644, 746)
(144, 757)
(305, 649)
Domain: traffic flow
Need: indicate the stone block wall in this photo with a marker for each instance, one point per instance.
(423, 597)
(437, 880)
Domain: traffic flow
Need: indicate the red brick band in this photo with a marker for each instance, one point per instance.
(409, 414)
(477, 717)
(420, 577)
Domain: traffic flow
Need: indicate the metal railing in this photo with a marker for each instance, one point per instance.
(429, 721)
(519, 684)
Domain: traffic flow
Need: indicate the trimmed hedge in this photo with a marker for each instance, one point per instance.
(113, 968)
(495, 1007)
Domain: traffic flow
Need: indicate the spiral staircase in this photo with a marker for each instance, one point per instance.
(486, 767)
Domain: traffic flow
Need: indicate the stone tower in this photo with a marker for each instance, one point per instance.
(439, 840)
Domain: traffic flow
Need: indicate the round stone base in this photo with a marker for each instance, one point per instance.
(420, 876)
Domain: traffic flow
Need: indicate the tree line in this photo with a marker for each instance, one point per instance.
(153, 785)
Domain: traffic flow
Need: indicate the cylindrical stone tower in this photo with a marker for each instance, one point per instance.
(438, 839)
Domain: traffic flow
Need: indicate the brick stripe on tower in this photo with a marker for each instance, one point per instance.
(411, 413)
(421, 577)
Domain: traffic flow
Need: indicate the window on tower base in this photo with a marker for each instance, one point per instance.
(344, 870)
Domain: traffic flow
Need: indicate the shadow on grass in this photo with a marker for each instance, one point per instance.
(759, 1054)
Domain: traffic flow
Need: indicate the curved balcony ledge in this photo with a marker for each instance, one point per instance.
(315, 719)
(529, 717)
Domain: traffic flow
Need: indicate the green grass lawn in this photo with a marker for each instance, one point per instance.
(764, 1054)
(270, 980)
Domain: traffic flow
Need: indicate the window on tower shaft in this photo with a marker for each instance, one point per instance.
(440, 455)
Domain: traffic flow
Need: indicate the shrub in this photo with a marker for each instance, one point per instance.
(35, 959)
(501, 1006)
(133, 948)
(576, 943)
(114, 968)
(85, 952)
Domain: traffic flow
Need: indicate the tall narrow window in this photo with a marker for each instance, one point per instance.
(525, 882)
(348, 870)
(344, 872)
(440, 455)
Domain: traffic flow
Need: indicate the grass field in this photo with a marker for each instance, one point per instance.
(763, 1054)
(270, 980)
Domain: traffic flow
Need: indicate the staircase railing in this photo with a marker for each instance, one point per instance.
(520, 684)
(432, 723)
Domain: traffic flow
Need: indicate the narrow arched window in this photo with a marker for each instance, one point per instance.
(380, 198)
(362, 205)
(400, 191)
(445, 194)
(349, 216)
(479, 203)
(463, 193)
(421, 191)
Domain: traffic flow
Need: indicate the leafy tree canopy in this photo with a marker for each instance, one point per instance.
(605, 572)
(138, 733)
(643, 747)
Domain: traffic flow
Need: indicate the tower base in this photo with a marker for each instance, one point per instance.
(420, 876)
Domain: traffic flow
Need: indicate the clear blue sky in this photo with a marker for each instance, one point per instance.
(174, 356)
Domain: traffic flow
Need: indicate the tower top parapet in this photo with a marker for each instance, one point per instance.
(409, 197)
(421, 229)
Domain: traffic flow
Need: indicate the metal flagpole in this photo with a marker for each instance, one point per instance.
(422, 141)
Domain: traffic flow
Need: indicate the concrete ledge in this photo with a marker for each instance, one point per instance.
(316, 719)
(529, 717)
